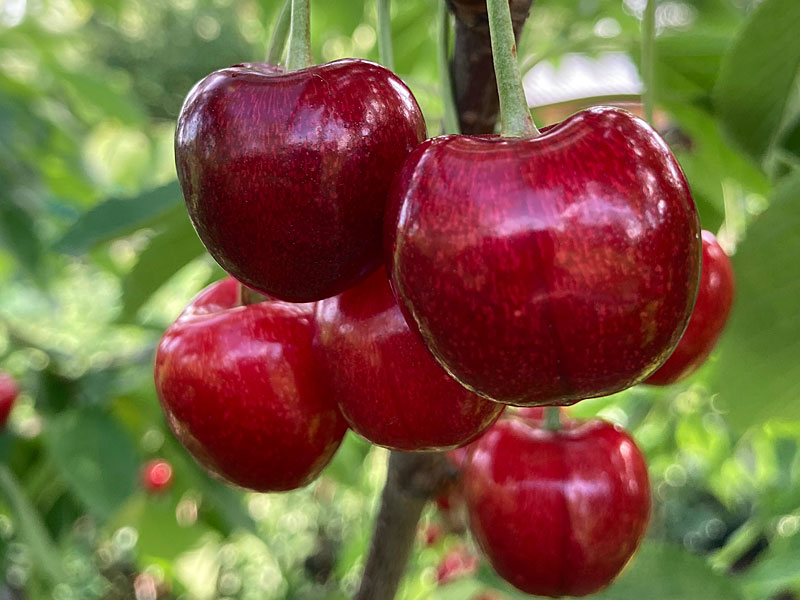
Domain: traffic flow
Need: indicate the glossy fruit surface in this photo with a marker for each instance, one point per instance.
(242, 391)
(557, 513)
(714, 301)
(285, 175)
(546, 270)
(389, 387)
(157, 475)
(9, 390)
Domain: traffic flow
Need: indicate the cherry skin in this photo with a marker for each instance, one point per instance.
(286, 175)
(389, 388)
(714, 301)
(156, 476)
(546, 270)
(557, 513)
(242, 391)
(9, 390)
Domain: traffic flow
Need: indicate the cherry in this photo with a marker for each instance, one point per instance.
(714, 301)
(9, 390)
(389, 388)
(242, 391)
(286, 175)
(156, 475)
(557, 512)
(546, 270)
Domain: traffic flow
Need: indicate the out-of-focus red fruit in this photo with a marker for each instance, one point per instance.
(458, 562)
(157, 475)
(9, 390)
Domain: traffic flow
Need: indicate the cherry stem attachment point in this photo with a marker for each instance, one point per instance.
(552, 418)
(277, 43)
(385, 51)
(451, 124)
(299, 54)
(648, 59)
(515, 116)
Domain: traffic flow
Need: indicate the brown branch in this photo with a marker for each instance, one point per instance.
(475, 88)
(412, 480)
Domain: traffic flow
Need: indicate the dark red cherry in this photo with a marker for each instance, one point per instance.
(557, 513)
(389, 387)
(242, 391)
(714, 301)
(546, 270)
(285, 175)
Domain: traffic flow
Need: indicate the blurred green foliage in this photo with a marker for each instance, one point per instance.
(97, 256)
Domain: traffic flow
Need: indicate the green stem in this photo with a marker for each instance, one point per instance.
(552, 418)
(277, 43)
(299, 55)
(648, 59)
(451, 124)
(515, 117)
(385, 52)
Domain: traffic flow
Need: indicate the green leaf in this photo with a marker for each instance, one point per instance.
(758, 372)
(32, 530)
(170, 250)
(775, 570)
(118, 217)
(657, 570)
(95, 457)
(757, 81)
(18, 234)
(674, 573)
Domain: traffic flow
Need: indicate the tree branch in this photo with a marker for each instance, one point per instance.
(413, 478)
(473, 74)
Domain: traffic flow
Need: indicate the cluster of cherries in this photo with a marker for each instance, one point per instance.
(410, 289)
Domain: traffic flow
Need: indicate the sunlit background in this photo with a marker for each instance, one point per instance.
(97, 256)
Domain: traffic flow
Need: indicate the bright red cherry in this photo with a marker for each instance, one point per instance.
(242, 391)
(157, 475)
(546, 270)
(389, 387)
(714, 301)
(558, 513)
(9, 390)
(286, 175)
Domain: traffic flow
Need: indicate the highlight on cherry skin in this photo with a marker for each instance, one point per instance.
(711, 310)
(242, 391)
(388, 386)
(547, 270)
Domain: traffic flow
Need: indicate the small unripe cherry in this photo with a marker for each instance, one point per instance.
(156, 475)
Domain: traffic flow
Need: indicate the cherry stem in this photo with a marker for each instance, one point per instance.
(445, 77)
(413, 478)
(385, 51)
(299, 54)
(552, 418)
(248, 296)
(277, 43)
(515, 116)
(648, 59)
